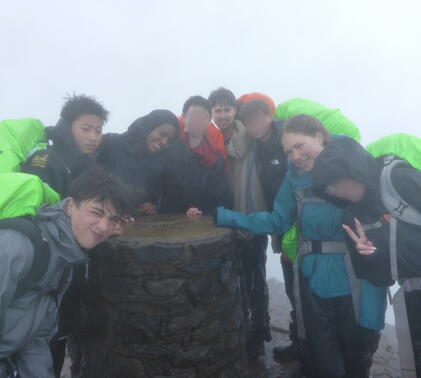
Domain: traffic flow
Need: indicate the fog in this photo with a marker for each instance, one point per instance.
(361, 56)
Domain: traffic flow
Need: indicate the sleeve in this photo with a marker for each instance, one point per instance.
(278, 221)
(39, 165)
(34, 360)
(216, 187)
(15, 261)
(407, 182)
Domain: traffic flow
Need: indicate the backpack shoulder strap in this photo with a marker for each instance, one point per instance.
(26, 225)
(392, 200)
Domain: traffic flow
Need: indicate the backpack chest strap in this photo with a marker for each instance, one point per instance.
(302, 198)
(392, 200)
(307, 246)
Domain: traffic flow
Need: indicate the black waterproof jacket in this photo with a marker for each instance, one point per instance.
(126, 155)
(188, 183)
(272, 162)
(61, 162)
(345, 158)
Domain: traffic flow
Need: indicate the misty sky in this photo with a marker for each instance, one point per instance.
(362, 56)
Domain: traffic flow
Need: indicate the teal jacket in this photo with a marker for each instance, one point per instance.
(326, 273)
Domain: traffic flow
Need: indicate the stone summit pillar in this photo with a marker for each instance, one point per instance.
(164, 301)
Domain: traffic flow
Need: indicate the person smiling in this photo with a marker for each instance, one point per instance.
(338, 317)
(95, 211)
(137, 156)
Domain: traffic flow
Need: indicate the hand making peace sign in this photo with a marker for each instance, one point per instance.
(362, 244)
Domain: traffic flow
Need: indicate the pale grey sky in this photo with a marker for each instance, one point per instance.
(362, 56)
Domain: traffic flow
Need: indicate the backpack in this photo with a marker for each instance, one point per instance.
(332, 119)
(408, 150)
(19, 138)
(20, 196)
(405, 146)
(397, 207)
(26, 225)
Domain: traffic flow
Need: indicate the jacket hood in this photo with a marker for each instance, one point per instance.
(55, 227)
(240, 144)
(136, 134)
(65, 145)
(346, 158)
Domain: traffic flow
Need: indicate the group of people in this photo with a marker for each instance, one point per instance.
(261, 169)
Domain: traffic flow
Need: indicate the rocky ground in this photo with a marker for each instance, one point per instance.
(386, 362)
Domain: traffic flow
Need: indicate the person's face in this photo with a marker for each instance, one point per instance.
(347, 189)
(223, 115)
(161, 137)
(93, 222)
(258, 125)
(302, 150)
(87, 133)
(196, 120)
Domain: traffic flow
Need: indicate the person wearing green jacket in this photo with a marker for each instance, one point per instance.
(338, 316)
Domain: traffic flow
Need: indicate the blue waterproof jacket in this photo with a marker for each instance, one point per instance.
(326, 273)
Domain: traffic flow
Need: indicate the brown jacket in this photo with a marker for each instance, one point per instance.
(243, 174)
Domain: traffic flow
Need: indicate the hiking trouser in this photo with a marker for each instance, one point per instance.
(288, 272)
(70, 322)
(256, 294)
(413, 308)
(336, 345)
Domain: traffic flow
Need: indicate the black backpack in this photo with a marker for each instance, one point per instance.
(26, 225)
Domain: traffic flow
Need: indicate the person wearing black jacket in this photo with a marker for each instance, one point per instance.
(196, 181)
(256, 116)
(348, 176)
(74, 142)
(138, 156)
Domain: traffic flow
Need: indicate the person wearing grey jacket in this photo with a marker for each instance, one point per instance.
(247, 197)
(95, 210)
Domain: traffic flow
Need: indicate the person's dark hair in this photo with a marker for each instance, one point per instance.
(306, 125)
(222, 96)
(253, 107)
(79, 105)
(97, 184)
(197, 101)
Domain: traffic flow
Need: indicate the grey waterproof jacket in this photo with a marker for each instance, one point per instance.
(28, 322)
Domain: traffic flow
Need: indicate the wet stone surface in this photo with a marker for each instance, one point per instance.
(164, 301)
(386, 363)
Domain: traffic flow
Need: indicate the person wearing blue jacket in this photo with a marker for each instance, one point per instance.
(339, 317)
